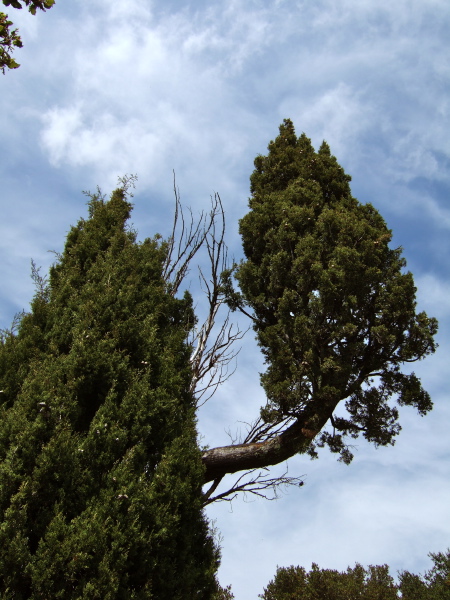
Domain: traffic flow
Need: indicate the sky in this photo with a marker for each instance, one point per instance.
(199, 88)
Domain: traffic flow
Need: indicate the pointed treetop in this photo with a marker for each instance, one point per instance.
(324, 149)
(332, 304)
(291, 158)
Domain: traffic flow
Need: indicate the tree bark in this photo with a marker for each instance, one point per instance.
(243, 457)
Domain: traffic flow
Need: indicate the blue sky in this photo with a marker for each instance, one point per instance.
(108, 88)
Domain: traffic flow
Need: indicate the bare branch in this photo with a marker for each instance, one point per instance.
(259, 484)
(213, 354)
(259, 430)
(211, 361)
(186, 240)
(213, 487)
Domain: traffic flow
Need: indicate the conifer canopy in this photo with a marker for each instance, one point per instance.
(358, 583)
(333, 307)
(100, 472)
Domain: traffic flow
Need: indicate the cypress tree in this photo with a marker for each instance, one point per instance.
(100, 472)
(334, 309)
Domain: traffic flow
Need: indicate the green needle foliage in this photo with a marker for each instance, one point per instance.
(334, 308)
(100, 472)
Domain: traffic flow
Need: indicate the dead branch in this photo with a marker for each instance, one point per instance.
(212, 361)
(259, 485)
(259, 430)
(186, 239)
(213, 355)
(213, 352)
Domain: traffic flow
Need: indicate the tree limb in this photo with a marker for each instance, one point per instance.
(256, 455)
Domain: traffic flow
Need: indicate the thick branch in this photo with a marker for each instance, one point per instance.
(244, 457)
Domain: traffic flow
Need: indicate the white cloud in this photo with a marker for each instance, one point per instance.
(149, 83)
(62, 126)
(433, 295)
(340, 115)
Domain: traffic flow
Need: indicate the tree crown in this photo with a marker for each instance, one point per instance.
(334, 309)
(100, 471)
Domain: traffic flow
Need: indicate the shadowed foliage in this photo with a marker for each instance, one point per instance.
(100, 472)
(373, 583)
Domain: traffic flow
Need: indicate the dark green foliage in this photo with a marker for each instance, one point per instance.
(224, 593)
(100, 473)
(373, 583)
(335, 311)
(294, 583)
(435, 585)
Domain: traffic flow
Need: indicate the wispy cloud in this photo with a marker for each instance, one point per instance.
(147, 82)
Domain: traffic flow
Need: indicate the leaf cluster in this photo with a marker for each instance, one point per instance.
(9, 38)
(33, 5)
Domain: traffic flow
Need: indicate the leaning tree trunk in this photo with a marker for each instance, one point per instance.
(244, 457)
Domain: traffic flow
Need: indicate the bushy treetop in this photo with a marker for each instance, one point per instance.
(100, 472)
(334, 308)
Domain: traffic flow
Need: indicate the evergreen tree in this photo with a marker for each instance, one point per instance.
(100, 472)
(294, 583)
(333, 308)
(373, 583)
